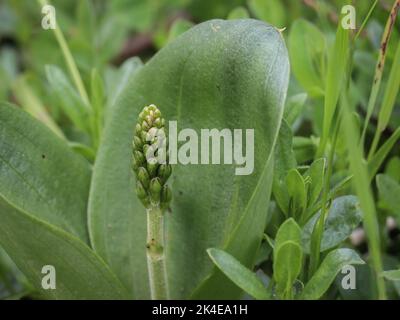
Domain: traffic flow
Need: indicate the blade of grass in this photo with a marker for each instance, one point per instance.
(376, 161)
(319, 226)
(336, 74)
(380, 66)
(366, 19)
(334, 81)
(362, 186)
(388, 102)
(69, 60)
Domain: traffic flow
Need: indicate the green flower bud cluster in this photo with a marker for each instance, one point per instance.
(150, 159)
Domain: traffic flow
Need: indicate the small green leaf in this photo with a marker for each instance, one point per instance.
(307, 54)
(288, 231)
(239, 274)
(69, 100)
(271, 11)
(297, 193)
(287, 266)
(179, 26)
(326, 273)
(389, 193)
(392, 275)
(238, 13)
(316, 175)
(304, 149)
(379, 157)
(30, 102)
(284, 161)
(391, 92)
(337, 63)
(294, 107)
(392, 168)
(344, 216)
(287, 257)
(117, 80)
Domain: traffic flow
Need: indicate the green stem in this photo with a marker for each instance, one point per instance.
(366, 20)
(319, 226)
(156, 254)
(69, 60)
(374, 144)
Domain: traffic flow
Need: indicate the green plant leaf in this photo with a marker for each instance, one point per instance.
(315, 174)
(284, 160)
(304, 149)
(337, 63)
(391, 92)
(249, 79)
(307, 53)
(33, 244)
(40, 174)
(238, 13)
(31, 103)
(326, 273)
(294, 107)
(239, 274)
(67, 97)
(272, 11)
(180, 26)
(118, 80)
(296, 190)
(288, 231)
(12, 281)
(392, 168)
(389, 193)
(379, 157)
(288, 256)
(344, 216)
(392, 275)
(287, 266)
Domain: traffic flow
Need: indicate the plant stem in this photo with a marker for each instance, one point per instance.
(364, 193)
(155, 254)
(379, 67)
(319, 226)
(69, 60)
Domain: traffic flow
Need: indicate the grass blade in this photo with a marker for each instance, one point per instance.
(361, 184)
(389, 100)
(336, 67)
(73, 69)
(376, 161)
(380, 65)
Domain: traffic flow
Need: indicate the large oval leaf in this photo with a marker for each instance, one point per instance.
(33, 244)
(344, 216)
(116, 219)
(40, 174)
(43, 193)
(220, 74)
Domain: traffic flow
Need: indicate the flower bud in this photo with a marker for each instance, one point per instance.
(150, 158)
(155, 190)
(143, 177)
